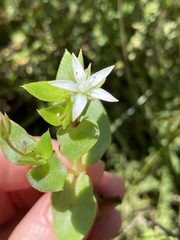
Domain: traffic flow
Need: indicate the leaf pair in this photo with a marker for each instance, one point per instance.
(49, 173)
(40, 154)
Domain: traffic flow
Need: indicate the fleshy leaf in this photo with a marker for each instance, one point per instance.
(45, 91)
(74, 209)
(65, 67)
(44, 146)
(20, 140)
(76, 141)
(97, 113)
(49, 177)
(52, 114)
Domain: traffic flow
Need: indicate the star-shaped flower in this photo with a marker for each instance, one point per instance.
(85, 87)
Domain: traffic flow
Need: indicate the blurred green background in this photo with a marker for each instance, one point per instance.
(142, 39)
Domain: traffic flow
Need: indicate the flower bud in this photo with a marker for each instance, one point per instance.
(5, 126)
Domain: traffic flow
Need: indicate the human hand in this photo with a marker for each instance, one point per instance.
(26, 213)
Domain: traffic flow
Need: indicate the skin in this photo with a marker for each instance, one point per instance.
(26, 213)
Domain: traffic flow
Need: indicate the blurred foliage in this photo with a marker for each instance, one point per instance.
(142, 39)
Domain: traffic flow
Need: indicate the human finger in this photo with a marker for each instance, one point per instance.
(37, 224)
(95, 171)
(106, 226)
(12, 177)
(12, 202)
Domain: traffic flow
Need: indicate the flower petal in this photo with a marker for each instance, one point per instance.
(79, 104)
(65, 84)
(98, 77)
(78, 70)
(100, 93)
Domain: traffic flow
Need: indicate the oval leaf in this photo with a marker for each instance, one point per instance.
(49, 177)
(52, 114)
(45, 91)
(74, 209)
(76, 141)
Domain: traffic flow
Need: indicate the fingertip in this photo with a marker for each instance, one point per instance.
(110, 186)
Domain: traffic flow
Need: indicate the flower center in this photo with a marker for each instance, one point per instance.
(84, 86)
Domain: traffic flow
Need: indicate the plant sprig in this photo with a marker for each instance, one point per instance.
(83, 134)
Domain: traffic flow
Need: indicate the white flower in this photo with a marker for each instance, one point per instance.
(84, 88)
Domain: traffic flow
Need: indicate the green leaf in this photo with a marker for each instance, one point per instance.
(52, 115)
(44, 146)
(97, 113)
(65, 67)
(74, 209)
(76, 141)
(49, 177)
(20, 140)
(45, 91)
